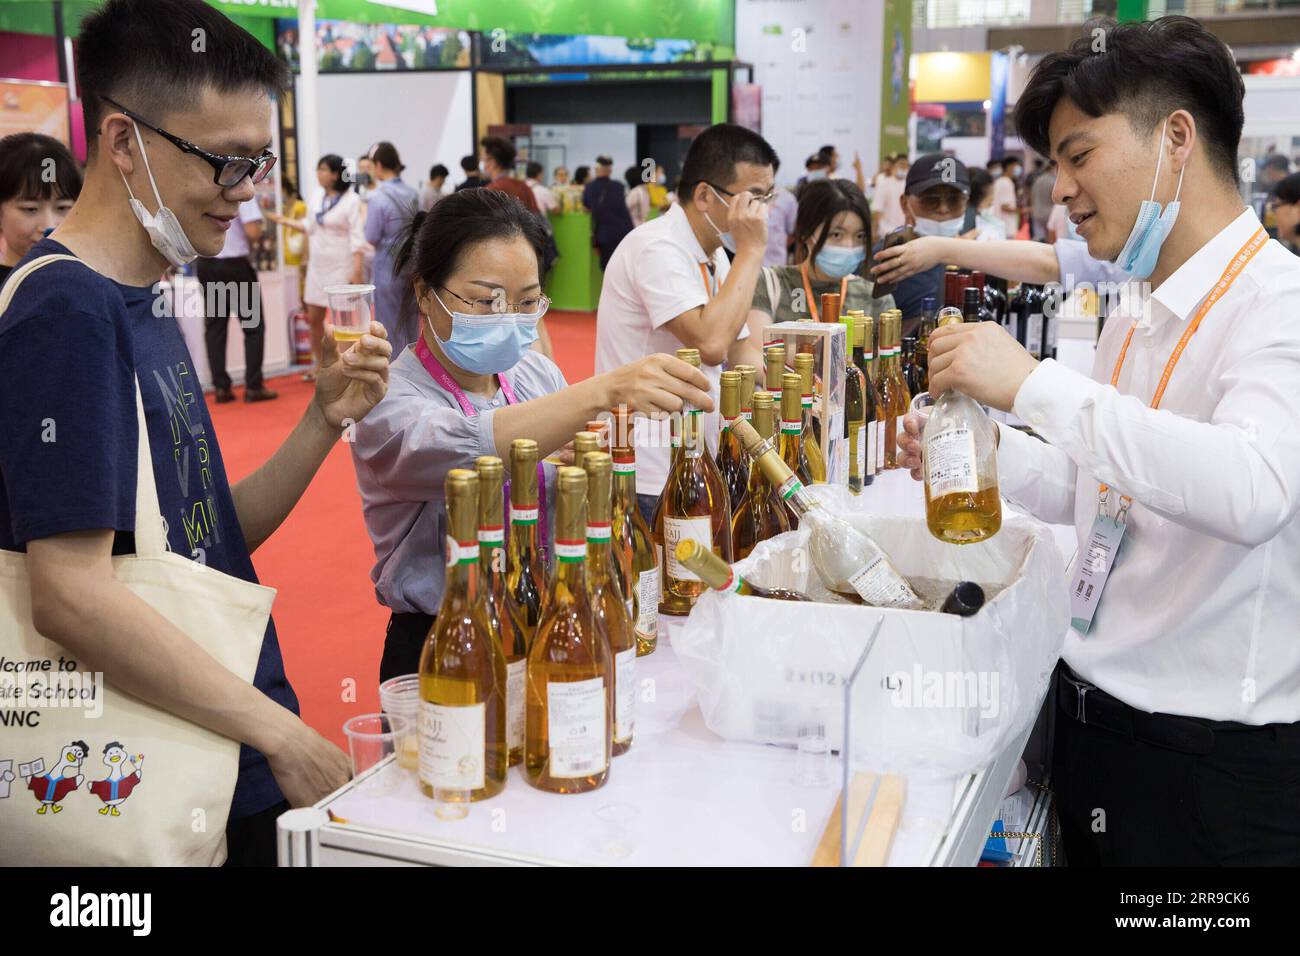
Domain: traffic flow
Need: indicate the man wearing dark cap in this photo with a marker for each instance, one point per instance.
(610, 220)
(934, 204)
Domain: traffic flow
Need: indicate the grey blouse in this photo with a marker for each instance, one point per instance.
(402, 452)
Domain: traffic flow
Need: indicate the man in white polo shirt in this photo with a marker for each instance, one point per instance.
(231, 290)
(669, 284)
(1177, 461)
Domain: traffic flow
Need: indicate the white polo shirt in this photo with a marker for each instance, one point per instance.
(653, 277)
(1198, 617)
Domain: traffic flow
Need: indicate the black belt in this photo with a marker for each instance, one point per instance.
(1089, 704)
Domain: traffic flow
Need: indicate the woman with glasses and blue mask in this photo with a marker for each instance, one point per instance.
(832, 234)
(335, 228)
(472, 384)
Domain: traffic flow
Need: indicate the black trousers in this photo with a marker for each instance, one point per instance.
(250, 841)
(216, 327)
(1211, 793)
(403, 643)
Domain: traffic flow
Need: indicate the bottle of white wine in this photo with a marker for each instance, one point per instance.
(634, 542)
(462, 720)
(570, 667)
(720, 576)
(848, 560)
(959, 458)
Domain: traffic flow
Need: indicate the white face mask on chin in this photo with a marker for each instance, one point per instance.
(939, 227)
(163, 227)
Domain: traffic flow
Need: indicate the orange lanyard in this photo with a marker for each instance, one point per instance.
(812, 303)
(704, 274)
(1230, 274)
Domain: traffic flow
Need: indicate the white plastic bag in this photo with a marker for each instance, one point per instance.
(938, 692)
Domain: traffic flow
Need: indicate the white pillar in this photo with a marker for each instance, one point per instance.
(308, 118)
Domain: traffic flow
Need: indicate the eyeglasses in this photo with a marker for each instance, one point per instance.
(764, 199)
(228, 171)
(534, 306)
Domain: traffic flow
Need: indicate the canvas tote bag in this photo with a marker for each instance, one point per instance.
(112, 780)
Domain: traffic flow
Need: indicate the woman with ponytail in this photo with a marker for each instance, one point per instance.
(392, 205)
(471, 385)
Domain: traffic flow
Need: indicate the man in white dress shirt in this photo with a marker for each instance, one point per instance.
(1177, 739)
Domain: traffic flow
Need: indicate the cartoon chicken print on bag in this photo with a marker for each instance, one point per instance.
(124, 773)
(50, 788)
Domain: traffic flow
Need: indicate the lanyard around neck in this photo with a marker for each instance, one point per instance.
(440, 375)
(1230, 274)
(709, 291)
(812, 302)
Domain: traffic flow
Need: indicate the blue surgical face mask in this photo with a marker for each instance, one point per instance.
(1152, 226)
(487, 344)
(839, 261)
(728, 242)
(936, 227)
(817, 174)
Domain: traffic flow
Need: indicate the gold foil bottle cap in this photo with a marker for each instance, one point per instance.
(690, 356)
(489, 465)
(571, 479)
(523, 448)
(729, 394)
(583, 443)
(791, 396)
(763, 410)
(950, 316)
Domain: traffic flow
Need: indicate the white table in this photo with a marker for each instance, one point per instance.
(695, 798)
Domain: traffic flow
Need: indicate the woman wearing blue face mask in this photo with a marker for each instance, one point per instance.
(832, 234)
(471, 385)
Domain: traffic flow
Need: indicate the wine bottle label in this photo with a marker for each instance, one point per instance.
(869, 446)
(861, 450)
(453, 743)
(1034, 334)
(569, 552)
(950, 463)
(575, 727)
(625, 467)
(699, 530)
(516, 698)
(791, 426)
(747, 414)
(880, 585)
(806, 400)
(461, 552)
(789, 487)
(880, 445)
(496, 535)
(647, 621)
(598, 533)
(523, 514)
(624, 694)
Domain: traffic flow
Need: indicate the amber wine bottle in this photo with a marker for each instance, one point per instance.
(462, 719)
(747, 373)
(731, 463)
(694, 504)
(810, 448)
(585, 442)
(525, 568)
(633, 543)
(889, 388)
(606, 601)
(959, 459)
(722, 577)
(492, 566)
(847, 559)
(870, 400)
(761, 514)
(902, 398)
(855, 414)
(774, 359)
(570, 668)
(791, 438)
(876, 423)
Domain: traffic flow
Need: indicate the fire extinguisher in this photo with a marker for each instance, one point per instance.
(301, 337)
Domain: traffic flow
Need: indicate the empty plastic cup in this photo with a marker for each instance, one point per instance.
(401, 696)
(372, 739)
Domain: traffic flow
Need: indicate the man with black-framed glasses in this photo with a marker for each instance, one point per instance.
(175, 140)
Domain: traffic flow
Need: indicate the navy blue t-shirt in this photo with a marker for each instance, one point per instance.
(72, 343)
(909, 295)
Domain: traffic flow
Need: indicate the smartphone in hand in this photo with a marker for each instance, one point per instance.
(895, 238)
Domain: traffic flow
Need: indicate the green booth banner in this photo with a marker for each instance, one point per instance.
(895, 92)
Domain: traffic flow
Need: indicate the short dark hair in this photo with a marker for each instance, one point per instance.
(533, 170)
(828, 150)
(501, 150)
(604, 161)
(145, 54)
(439, 170)
(385, 154)
(469, 164)
(820, 201)
(1288, 190)
(981, 184)
(817, 159)
(1145, 71)
(581, 175)
(23, 162)
(334, 163)
(436, 240)
(1277, 162)
(632, 176)
(716, 152)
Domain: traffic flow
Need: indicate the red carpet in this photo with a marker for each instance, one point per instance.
(331, 627)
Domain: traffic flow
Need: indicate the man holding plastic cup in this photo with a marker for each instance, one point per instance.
(175, 144)
(1178, 462)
